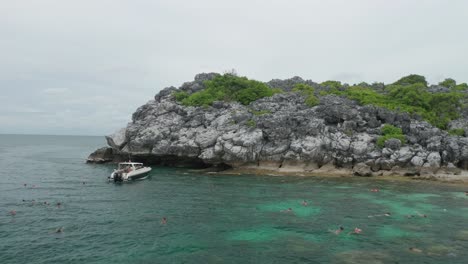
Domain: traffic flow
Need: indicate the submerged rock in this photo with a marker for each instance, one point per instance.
(362, 257)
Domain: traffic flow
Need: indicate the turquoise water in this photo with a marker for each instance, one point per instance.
(213, 218)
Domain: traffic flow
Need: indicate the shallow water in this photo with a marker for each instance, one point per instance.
(213, 218)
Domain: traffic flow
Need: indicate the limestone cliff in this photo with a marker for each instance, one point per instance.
(283, 133)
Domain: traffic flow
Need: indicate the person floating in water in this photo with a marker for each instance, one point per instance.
(386, 214)
(304, 203)
(59, 204)
(59, 230)
(421, 215)
(356, 231)
(163, 221)
(374, 190)
(338, 231)
(413, 249)
(289, 210)
(12, 212)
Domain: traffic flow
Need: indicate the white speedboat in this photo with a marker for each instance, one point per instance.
(128, 171)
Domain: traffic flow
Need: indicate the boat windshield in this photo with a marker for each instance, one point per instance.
(125, 166)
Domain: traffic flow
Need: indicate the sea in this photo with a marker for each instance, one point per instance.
(55, 208)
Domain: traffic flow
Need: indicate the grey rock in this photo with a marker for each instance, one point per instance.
(434, 159)
(361, 169)
(393, 144)
(281, 130)
(118, 139)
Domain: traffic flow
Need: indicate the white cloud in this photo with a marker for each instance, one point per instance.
(55, 90)
(102, 59)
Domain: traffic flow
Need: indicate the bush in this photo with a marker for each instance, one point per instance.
(381, 140)
(309, 92)
(251, 123)
(436, 108)
(388, 132)
(229, 87)
(449, 83)
(460, 88)
(412, 79)
(391, 130)
(457, 132)
(179, 96)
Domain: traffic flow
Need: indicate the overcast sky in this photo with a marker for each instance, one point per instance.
(82, 67)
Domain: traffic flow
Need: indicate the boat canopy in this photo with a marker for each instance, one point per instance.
(130, 163)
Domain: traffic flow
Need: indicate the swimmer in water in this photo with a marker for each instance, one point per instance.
(287, 211)
(12, 212)
(374, 190)
(163, 221)
(356, 231)
(59, 230)
(422, 215)
(59, 204)
(338, 231)
(304, 203)
(417, 250)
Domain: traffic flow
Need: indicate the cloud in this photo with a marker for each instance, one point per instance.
(103, 59)
(55, 90)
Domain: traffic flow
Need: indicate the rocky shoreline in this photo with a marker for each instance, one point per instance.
(282, 134)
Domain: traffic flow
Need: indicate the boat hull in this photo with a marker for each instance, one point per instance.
(139, 174)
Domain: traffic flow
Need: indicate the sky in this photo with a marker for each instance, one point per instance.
(83, 67)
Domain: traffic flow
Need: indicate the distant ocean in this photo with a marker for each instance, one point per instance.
(45, 185)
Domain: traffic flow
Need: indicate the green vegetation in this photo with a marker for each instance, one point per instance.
(412, 79)
(457, 132)
(437, 108)
(452, 85)
(179, 96)
(309, 92)
(251, 123)
(388, 132)
(408, 94)
(227, 87)
(449, 83)
(261, 112)
(460, 87)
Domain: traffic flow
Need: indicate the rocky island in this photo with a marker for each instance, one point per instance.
(408, 128)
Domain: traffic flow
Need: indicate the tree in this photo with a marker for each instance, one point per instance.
(412, 79)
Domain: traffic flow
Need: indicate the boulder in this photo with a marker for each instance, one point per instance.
(361, 169)
(393, 143)
(118, 139)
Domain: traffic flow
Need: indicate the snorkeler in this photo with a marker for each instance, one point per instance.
(356, 231)
(338, 231)
(421, 215)
(163, 221)
(304, 203)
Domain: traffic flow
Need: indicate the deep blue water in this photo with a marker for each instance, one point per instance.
(213, 218)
